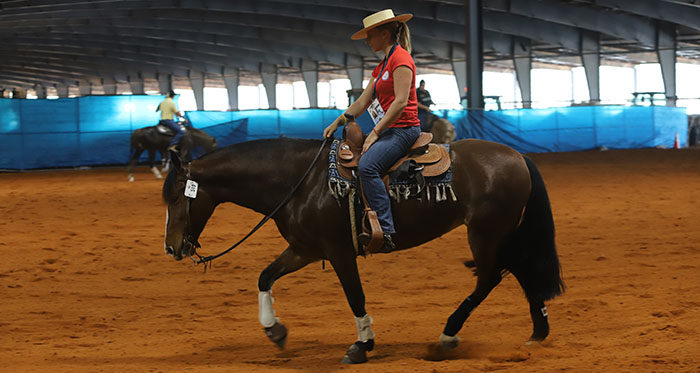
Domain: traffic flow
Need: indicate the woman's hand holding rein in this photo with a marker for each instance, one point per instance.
(342, 120)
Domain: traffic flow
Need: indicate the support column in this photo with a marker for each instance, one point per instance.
(110, 86)
(136, 84)
(523, 64)
(309, 71)
(459, 68)
(85, 88)
(268, 73)
(62, 90)
(165, 83)
(474, 53)
(231, 78)
(355, 67)
(197, 84)
(40, 91)
(590, 56)
(666, 51)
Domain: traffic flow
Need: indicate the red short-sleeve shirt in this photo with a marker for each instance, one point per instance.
(385, 87)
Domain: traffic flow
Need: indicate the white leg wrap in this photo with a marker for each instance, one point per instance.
(266, 314)
(364, 328)
(156, 173)
(447, 339)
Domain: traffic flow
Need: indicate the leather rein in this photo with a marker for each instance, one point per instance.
(207, 261)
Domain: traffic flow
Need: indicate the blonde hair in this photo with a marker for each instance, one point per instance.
(400, 33)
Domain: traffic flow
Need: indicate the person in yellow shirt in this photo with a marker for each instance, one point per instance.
(168, 111)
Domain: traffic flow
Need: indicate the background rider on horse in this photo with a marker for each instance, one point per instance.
(168, 110)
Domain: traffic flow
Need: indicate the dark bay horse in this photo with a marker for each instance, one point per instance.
(500, 196)
(152, 140)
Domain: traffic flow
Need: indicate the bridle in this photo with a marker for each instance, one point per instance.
(192, 244)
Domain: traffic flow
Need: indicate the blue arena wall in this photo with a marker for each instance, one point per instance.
(95, 130)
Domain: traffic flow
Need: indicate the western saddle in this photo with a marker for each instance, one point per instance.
(165, 130)
(432, 160)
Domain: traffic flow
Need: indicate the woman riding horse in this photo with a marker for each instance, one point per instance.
(498, 194)
(391, 97)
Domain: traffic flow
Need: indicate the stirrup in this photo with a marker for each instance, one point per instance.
(386, 246)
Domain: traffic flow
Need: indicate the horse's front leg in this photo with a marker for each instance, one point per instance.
(345, 265)
(285, 263)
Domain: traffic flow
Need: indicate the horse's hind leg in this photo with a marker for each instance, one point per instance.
(285, 263)
(135, 154)
(538, 311)
(540, 324)
(484, 240)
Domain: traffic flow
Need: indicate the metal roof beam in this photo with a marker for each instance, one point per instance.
(689, 3)
(21, 68)
(668, 12)
(186, 52)
(155, 60)
(619, 25)
(89, 62)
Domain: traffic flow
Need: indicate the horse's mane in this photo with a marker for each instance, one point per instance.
(169, 186)
(254, 150)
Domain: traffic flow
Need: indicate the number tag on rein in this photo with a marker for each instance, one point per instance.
(191, 189)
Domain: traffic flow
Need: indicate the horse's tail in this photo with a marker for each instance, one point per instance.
(530, 252)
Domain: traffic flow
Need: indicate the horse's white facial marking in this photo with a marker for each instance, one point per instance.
(167, 220)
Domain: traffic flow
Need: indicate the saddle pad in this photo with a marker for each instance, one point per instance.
(340, 183)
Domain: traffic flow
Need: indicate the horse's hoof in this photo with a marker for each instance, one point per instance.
(447, 346)
(533, 342)
(357, 353)
(448, 342)
(131, 179)
(440, 351)
(277, 334)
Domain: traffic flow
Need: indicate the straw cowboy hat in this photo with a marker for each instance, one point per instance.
(378, 19)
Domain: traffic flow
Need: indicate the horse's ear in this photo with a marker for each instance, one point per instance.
(177, 161)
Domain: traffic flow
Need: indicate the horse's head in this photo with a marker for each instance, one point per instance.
(189, 208)
(443, 131)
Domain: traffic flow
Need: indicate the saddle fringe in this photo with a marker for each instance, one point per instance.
(340, 187)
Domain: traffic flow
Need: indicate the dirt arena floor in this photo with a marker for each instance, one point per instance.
(85, 285)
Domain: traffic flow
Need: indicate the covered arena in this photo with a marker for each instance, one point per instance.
(86, 286)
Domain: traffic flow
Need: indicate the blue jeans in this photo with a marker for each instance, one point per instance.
(391, 145)
(176, 128)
